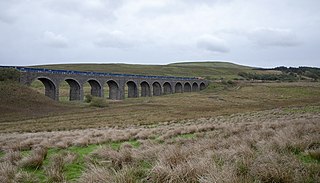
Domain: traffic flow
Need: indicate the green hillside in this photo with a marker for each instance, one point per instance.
(21, 101)
(208, 70)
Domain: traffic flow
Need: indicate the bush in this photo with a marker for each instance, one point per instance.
(98, 102)
(9, 74)
(228, 82)
(88, 98)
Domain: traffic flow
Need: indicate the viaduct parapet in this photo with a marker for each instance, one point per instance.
(137, 85)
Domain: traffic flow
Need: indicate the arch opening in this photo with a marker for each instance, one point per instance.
(202, 86)
(167, 89)
(113, 90)
(96, 88)
(45, 86)
(178, 88)
(195, 87)
(156, 89)
(187, 87)
(145, 89)
(132, 89)
(74, 89)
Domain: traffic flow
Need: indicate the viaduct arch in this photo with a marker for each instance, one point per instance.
(138, 85)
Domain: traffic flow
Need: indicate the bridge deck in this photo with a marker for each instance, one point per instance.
(86, 73)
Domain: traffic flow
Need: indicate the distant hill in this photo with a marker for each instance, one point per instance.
(211, 64)
(208, 70)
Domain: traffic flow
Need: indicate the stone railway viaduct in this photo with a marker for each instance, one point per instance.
(138, 85)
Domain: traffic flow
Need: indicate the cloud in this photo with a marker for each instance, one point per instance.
(55, 40)
(160, 31)
(97, 10)
(273, 37)
(8, 11)
(212, 44)
(113, 39)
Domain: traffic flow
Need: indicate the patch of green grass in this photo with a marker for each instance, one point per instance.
(116, 145)
(186, 136)
(2, 154)
(25, 153)
(306, 158)
(301, 110)
(74, 170)
(40, 173)
(82, 151)
(294, 91)
(134, 143)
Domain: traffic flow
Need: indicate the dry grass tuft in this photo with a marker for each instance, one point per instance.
(214, 173)
(81, 142)
(69, 157)
(175, 164)
(35, 160)
(55, 169)
(25, 177)
(275, 167)
(117, 158)
(315, 154)
(96, 174)
(7, 172)
(12, 156)
(126, 175)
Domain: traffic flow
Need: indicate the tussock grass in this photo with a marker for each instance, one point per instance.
(12, 157)
(55, 169)
(315, 154)
(117, 159)
(275, 167)
(25, 177)
(7, 172)
(35, 159)
(265, 146)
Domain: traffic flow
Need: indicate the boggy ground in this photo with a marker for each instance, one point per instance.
(279, 145)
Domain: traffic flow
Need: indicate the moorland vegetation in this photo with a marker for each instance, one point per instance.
(233, 131)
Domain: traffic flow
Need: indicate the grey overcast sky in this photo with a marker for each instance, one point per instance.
(262, 33)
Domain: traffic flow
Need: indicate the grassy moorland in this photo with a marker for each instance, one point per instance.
(236, 132)
(209, 70)
(216, 100)
(279, 145)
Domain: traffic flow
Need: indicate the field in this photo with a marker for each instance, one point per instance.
(238, 132)
(209, 70)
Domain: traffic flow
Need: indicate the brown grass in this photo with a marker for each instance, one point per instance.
(253, 147)
(12, 157)
(25, 177)
(117, 159)
(264, 146)
(55, 169)
(275, 167)
(35, 159)
(276, 145)
(7, 172)
(214, 101)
